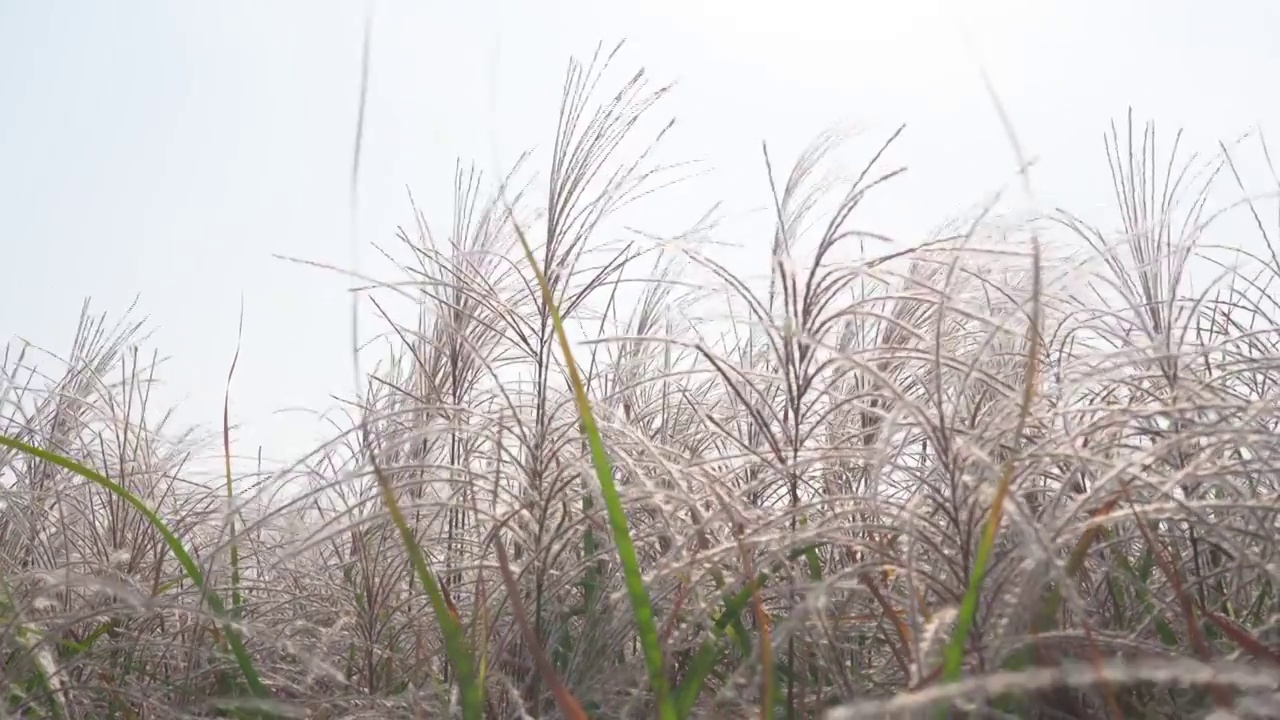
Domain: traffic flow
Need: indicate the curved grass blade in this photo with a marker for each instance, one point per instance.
(175, 546)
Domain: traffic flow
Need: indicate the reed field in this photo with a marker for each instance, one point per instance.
(1025, 467)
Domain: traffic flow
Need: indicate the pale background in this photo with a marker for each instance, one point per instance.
(167, 149)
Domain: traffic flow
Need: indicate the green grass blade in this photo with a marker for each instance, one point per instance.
(460, 655)
(180, 553)
(953, 653)
(703, 662)
(641, 606)
(1138, 579)
(1257, 609)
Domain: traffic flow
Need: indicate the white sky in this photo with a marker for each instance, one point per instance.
(168, 149)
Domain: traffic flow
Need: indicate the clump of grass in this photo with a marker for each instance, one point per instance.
(615, 478)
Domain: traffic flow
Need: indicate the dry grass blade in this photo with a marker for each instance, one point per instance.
(236, 599)
(569, 706)
(1246, 640)
(1221, 694)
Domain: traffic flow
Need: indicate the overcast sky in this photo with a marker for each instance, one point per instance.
(168, 149)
